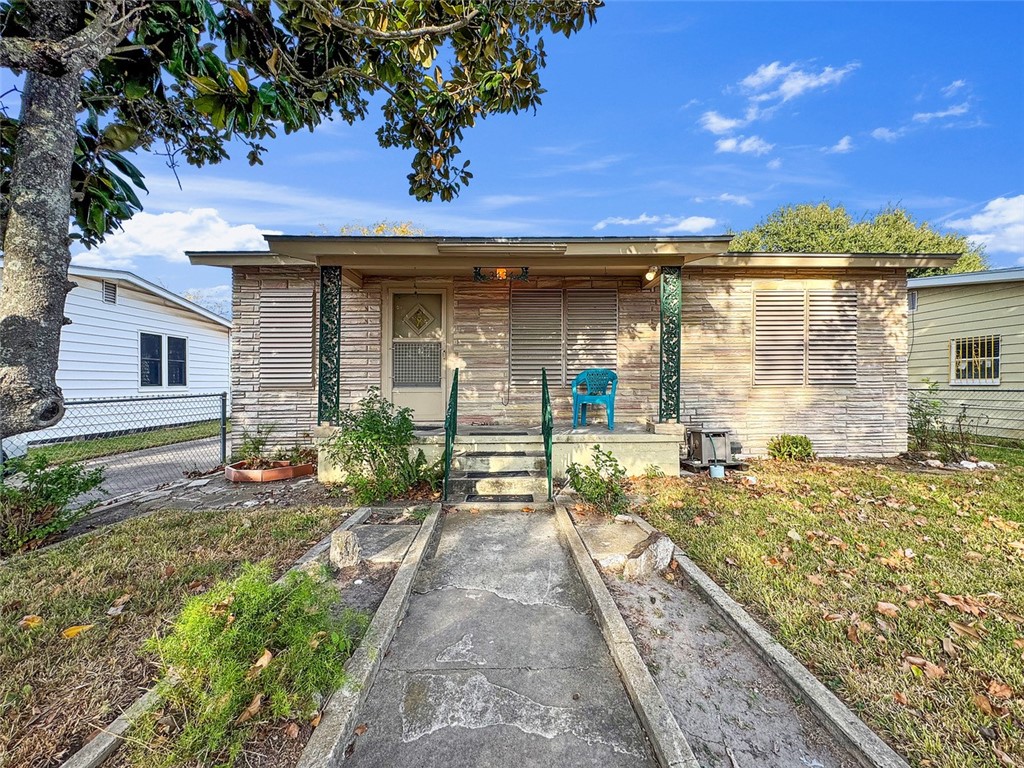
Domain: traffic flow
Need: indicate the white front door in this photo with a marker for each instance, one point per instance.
(415, 369)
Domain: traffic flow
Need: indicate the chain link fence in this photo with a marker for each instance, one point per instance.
(993, 414)
(141, 442)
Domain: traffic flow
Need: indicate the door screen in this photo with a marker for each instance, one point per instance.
(416, 340)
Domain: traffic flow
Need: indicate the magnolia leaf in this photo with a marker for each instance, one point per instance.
(965, 630)
(291, 730)
(239, 80)
(31, 621)
(250, 711)
(315, 719)
(981, 701)
(260, 664)
(361, 729)
(73, 632)
(887, 609)
(999, 690)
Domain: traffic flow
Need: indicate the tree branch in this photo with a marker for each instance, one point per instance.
(405, 34)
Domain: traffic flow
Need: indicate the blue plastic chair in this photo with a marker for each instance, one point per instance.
(598, 383)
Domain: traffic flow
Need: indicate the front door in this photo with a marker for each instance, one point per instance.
(416, 368)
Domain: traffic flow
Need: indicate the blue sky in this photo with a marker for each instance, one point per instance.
(664, 117)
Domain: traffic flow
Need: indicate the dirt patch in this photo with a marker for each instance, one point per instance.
(408, 514)
(733, 709)
(362, 587)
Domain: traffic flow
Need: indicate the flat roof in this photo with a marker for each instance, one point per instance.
(1006, 275)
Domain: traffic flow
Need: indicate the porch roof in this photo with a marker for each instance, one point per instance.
(441, 256)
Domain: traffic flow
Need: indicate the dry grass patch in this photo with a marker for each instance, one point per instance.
(120, 584)
(902, 591)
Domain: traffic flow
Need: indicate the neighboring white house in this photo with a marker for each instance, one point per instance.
(131, 338)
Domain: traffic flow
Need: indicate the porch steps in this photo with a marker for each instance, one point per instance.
(489, 468)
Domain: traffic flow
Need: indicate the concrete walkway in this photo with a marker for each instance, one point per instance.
(499, 661)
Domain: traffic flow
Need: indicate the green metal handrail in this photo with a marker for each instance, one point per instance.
(547, 423)
(451, 428)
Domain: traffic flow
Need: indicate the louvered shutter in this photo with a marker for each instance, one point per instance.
(591, 330)
(536, 340)
(779, 337)
(832, 338)
(286, 337)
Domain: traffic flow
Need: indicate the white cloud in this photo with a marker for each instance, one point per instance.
(493, 202)
(953, 87)
(887, 134)
(999, 226)
(774, 164)
(954, 111)
(621, 221)
(169, 235)
(842, 146)
(725, 197)
(785, 82)
(750, 145)
(719, 124)
(688, 225)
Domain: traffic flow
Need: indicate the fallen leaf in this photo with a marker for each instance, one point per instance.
(1018, 643)
(315, 720)
(260, 664)
(964, 630)
(123, 599)
(915, 661)
(73, 632)
(527, 509)
(816, 580)
(851, 633)
(914, 604)
(291, 730)
(794, 535)
(887, 609)
(999, 690)
(30, 622)
(950, 648)
(1005, 759)
(900, 697)
(832, 616)
(168, 572)
(361, 729)
(933, 671)
(981, 701)
(250, 711)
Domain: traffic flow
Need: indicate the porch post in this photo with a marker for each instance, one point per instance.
(671, 306)
(329, 346)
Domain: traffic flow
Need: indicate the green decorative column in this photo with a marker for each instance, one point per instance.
(329, 346)
(671, 322)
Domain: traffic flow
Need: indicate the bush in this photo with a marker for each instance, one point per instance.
(34, 499)
(924, 410)
(955, 439)
(248, 652)
(603, 484)
(791, 447)
(372, 450)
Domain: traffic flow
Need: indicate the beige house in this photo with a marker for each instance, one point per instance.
(966, 333)
(757, 344)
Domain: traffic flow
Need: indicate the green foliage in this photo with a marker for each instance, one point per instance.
(923, 416)
(297, 454)
(372, 450)
(601, 484)
(34, 499)
(253, 445)
(956, 437)
(652, 471)
(192, 76)
(823, 228)
(791, 447)
(220, 681)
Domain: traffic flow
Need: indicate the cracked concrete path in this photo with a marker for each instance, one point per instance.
(499, 660)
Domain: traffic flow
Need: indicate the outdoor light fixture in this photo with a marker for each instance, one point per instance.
(652, 272)
(483, 275)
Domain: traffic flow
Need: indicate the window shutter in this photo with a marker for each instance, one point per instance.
(832, 338)
(109, 292)
(286, 337)
(536, 336)
(591, 330)
(779, 337)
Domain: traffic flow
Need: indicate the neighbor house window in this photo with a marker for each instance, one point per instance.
(974, 360)
(109, 292)
(176, 362)
(805, 338)
(151, 354)
(563, 331)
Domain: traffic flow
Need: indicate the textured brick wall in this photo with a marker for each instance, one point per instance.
(717, 369)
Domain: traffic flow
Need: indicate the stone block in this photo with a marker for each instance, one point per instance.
(344, 549)
(650, 556)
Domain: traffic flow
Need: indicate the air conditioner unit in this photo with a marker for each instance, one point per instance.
(708, 446)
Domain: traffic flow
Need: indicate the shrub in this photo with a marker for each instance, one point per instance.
(602, 484)
(923, 416)
(34, 499)
(252, 448)
(791, 447)
(372, 450)
(955, 439)
(248, 652)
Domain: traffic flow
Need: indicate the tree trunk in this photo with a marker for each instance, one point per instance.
(36, 255)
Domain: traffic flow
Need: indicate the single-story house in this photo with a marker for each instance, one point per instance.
(966, 334)
(755, 343)
(130, 338)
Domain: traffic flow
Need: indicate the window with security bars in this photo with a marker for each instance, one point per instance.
(416, 364)
(805, 338)
(564, 331)
(974, 360)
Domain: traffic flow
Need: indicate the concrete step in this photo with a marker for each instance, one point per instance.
(489, 461)
(504, 506)
(498, 443)
(533, 483)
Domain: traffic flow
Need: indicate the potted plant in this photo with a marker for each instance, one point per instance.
(255, 466)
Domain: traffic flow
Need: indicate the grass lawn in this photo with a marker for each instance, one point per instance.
(54, 691)
(902, 591)
(80, 450)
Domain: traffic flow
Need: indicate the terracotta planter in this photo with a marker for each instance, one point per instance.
(279, 470)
